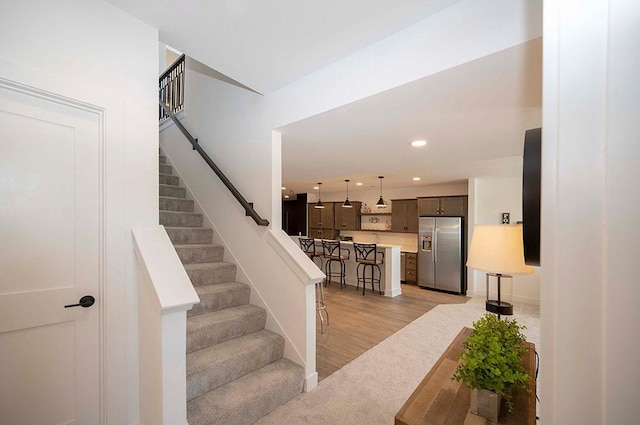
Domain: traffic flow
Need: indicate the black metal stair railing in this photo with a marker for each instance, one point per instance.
(248, 206)
(171, 88)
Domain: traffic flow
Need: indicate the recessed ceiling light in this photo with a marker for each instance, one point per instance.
(283, 188)
(418, 143)
(416, 179)
(359, 184)
(316, 187)
(286, 196)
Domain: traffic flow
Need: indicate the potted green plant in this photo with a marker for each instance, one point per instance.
(491, 363)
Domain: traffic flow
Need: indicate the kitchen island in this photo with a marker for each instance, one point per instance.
(390, 268)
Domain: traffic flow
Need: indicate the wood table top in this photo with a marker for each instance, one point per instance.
(439, 400)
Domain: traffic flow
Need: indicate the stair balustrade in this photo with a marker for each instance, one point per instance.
(171, 89)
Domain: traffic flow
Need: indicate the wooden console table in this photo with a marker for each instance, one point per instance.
(439, 400)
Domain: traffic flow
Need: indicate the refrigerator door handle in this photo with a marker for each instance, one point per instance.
(435, 244)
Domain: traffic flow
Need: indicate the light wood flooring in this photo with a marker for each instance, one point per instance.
(358, 323)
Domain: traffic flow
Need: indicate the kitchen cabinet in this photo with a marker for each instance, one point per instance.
(321, 218)
(322, 234)
(404, 215)
(451, 206)
(347, 218)
(411, 267)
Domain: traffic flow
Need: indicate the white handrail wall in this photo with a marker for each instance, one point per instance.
(165, 293)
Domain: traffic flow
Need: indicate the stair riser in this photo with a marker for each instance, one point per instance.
(162, 159)
(219, 301)
(249, 398)
(208, 254)
(246, 324)
(173, 191)
(170, 180)
(166, 169)
(172, 204)
(210, 376)
(190, 236)
(225, 272)
(172, 219)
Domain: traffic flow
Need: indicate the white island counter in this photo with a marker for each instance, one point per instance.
(390, 268)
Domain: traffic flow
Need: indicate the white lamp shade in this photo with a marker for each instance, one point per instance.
(498, 249)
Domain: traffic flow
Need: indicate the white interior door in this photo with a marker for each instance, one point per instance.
(50, 256)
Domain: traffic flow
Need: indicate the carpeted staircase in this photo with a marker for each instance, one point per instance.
(235, 370)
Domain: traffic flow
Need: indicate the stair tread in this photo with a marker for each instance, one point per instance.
(218, 287)
(213, 265)
(212, 328)
(187, 228)
(207, 319)
(236, 402)
(173, 198)
(217, 365)
(180, 213)
(197, 245)
(219, 296)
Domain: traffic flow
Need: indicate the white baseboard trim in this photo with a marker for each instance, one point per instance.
(310, 382)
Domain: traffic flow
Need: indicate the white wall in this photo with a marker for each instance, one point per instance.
(590, 294)
(112, 56)
(492, 197)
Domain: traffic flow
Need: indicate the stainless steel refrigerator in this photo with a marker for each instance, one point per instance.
(440, 254)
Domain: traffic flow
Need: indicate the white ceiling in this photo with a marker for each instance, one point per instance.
(266, 45)
(474, 117)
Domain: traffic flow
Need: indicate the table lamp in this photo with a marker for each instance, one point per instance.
(498, 251)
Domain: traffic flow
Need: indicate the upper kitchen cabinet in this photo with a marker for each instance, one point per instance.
(347, 218)
(455, 206)
(320, 218)
(404, 216)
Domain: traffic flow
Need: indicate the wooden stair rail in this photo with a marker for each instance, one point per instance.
(248, 206)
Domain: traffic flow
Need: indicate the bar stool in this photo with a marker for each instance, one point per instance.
(367, 256)
(332, 252)
(308, 245)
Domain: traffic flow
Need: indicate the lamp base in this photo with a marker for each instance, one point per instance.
(499, 307)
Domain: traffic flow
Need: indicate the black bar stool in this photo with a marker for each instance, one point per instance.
(308, 245)
(333, 252)
(367, 255)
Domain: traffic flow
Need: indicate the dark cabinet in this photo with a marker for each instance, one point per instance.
(411, 267)
(404, 216)
(347, 218)
(452, 206)
(320, 218)
(322, 234)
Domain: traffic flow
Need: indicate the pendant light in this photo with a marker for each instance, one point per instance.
(380, 203)
(319, 204)
(347, 204)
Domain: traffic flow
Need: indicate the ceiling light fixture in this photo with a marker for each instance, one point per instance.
(319, 204)
(346, 203)
(416, 179)
(359, 184)
(380, 203)
(418, 143)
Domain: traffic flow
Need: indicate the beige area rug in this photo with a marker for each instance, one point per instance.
(371, 389)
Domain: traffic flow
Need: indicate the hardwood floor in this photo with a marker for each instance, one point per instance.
(357, 323)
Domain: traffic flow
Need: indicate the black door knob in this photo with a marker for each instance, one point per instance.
(86, 301)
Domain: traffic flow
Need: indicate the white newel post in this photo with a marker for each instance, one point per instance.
(165, 294)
